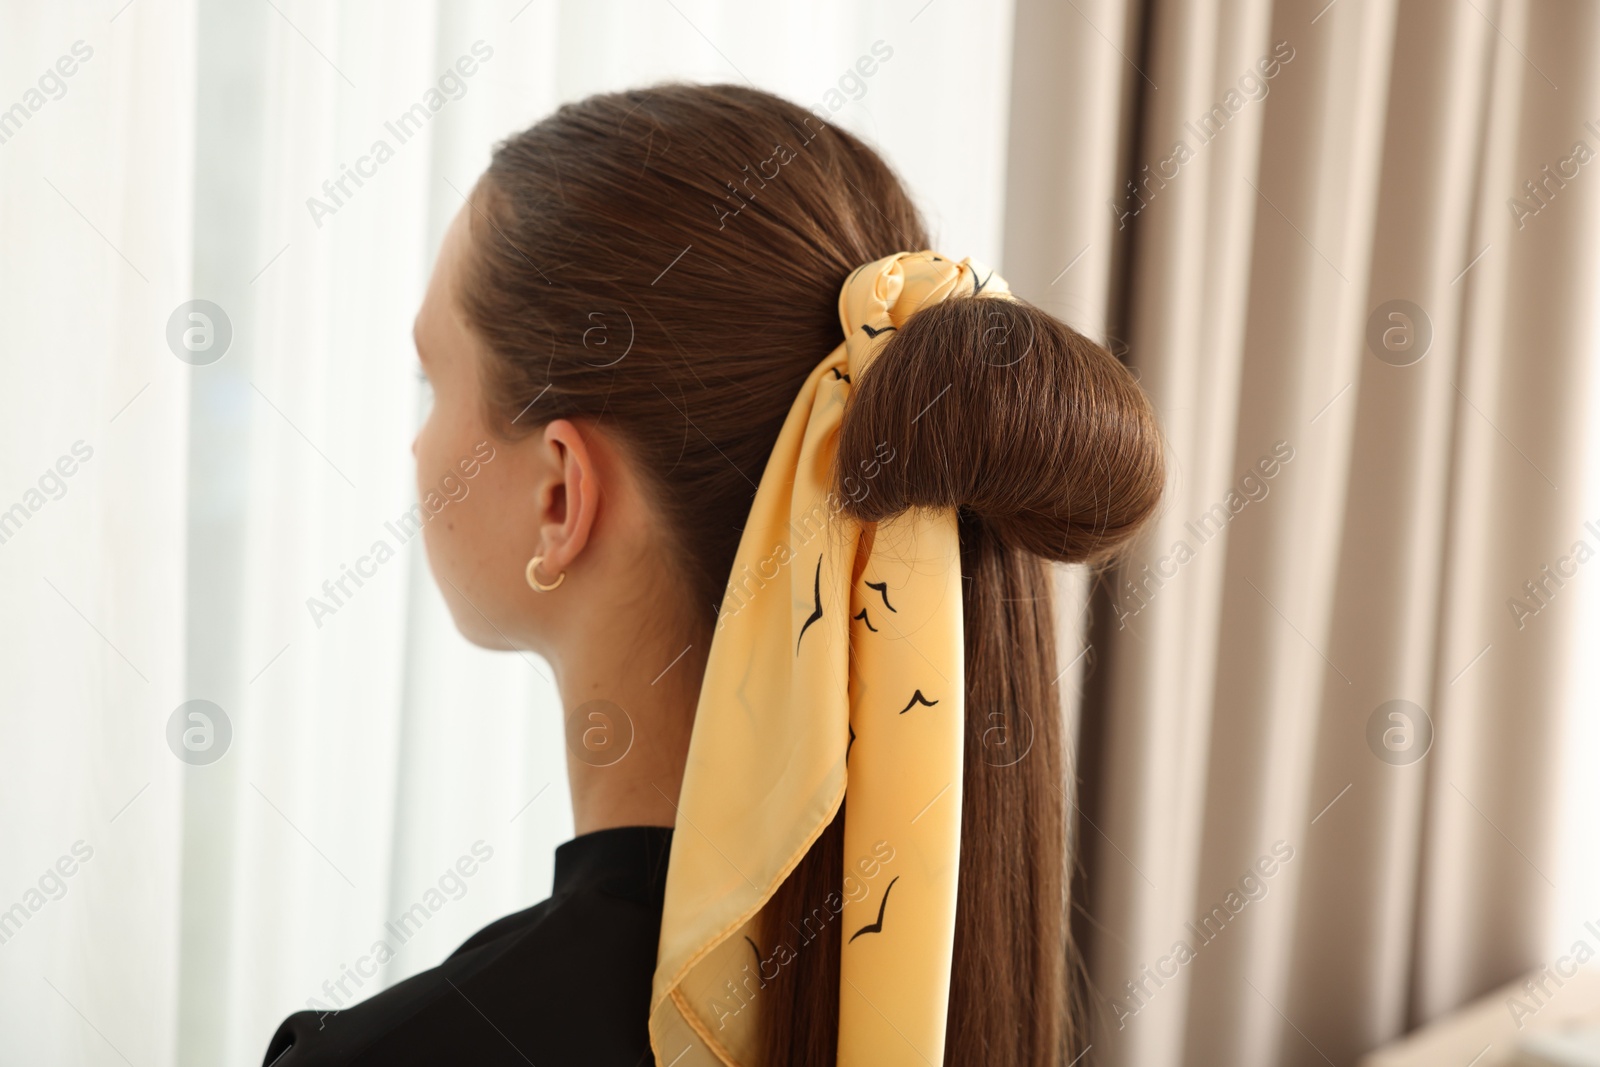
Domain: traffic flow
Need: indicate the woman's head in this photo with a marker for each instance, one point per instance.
(660, 268)
(501, 489)
(625, 312)
(640, 283)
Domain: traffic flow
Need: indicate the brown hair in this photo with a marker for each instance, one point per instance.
(650, 216)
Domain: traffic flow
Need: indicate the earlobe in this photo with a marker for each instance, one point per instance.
(531, 573)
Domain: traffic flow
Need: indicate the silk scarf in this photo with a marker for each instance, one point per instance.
(836, 669)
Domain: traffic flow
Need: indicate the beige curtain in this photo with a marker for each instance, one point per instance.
(1317, 743)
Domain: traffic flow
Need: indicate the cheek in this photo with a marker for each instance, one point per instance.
(425, 448)
(481, 544)
(477, 543)
(448, 436)
(445, 439)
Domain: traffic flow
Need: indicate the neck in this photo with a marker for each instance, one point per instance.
(629, 710)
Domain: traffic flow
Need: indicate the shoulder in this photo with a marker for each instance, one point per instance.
(565, 981)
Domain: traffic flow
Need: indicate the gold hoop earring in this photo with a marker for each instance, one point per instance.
(533, 577)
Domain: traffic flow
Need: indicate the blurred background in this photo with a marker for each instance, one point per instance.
(1336, 719)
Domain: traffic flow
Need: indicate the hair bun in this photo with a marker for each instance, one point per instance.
(998, 408)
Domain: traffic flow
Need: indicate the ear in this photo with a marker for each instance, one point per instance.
(569, 496)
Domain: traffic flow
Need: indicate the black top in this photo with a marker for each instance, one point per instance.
(565, 982)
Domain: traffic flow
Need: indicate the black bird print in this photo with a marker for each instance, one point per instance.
(816, 594)
(877, 927)
(862, 615)
(917, 698)
(850, 742)
(883, 591)
(839, 377)
(977, 288)
(873, 333)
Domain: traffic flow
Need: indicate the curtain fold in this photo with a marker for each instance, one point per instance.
(1276, 869)
(1528, 322)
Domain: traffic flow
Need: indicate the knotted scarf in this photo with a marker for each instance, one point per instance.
(836, 669)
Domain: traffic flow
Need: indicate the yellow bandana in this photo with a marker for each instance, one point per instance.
(838, 657)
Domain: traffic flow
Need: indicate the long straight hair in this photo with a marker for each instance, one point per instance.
(666, 262)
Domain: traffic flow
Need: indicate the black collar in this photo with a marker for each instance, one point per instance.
(628, 861)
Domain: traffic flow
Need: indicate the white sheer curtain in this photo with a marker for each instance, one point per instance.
(370, 747)
(95, 189)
